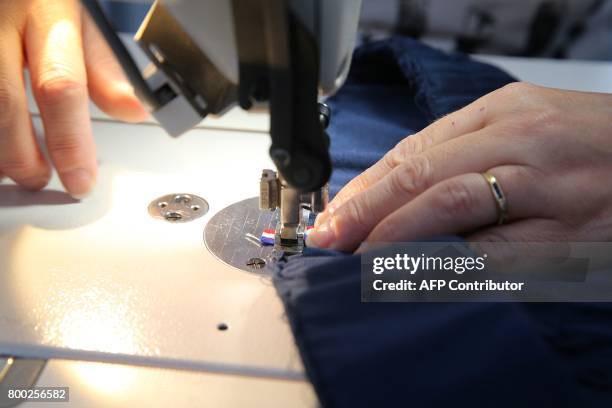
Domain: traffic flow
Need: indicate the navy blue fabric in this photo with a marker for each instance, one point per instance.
(429, 355)
(395, 88)
(415, 354)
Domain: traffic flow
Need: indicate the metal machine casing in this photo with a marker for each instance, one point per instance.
(209, 25)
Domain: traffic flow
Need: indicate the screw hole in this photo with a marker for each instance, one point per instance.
(195, 207)
(163, 204)
(256, 263)
(174, 216)
(222, 327)
(182, 199)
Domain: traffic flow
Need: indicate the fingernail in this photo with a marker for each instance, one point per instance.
(124, 87)
(139, 113)
(78, 182)
(322, 236)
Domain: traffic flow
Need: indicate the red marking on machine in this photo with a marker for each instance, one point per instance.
(267, 236)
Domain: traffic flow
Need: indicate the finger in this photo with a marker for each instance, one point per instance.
(108, 86)
(20, 157)
(354, 220)
(55, 56)
(465, 203)
(464, 121)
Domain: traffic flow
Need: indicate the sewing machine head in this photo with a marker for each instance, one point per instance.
(285, 54)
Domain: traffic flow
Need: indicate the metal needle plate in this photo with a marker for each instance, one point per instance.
(178, 207)
(232, 235)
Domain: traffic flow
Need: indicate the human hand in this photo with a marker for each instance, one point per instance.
(550, 151)
(68, 61)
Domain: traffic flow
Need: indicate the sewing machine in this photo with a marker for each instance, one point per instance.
(211, 55)
(130, 310)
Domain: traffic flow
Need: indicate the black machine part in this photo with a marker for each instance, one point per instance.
(278, 63)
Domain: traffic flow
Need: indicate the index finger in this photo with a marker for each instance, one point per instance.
(55, 56)
(464, 121)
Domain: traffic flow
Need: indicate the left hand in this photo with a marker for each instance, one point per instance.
(550, 151)
(68, 62)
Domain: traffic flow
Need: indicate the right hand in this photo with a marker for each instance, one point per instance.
(549, 149)
(68, 61)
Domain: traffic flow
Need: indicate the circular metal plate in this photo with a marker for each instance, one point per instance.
(232, 235)
(178, 207)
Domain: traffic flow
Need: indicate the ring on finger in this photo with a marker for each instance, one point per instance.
(500, 198)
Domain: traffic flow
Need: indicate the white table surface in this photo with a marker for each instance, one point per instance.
(99, 281)
(586, 76)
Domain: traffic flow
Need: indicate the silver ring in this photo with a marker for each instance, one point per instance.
(500, 198)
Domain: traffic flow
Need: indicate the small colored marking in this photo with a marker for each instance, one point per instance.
(267, 236)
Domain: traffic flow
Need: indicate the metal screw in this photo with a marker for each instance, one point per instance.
(324, 115)
(174, 216)
(256, 263)
(178, 207)
(182, 199)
